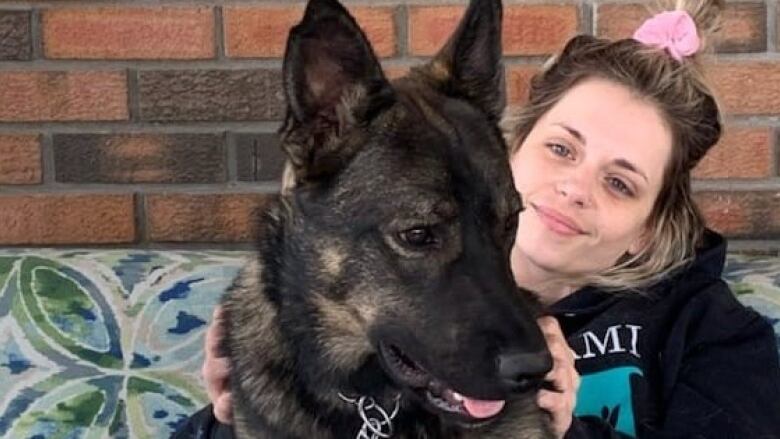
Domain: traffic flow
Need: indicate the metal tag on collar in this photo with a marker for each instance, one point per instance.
(377, 423)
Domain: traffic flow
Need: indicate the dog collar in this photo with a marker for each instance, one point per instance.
(377, 422)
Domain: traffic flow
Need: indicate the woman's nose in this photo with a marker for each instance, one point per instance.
(575, 192)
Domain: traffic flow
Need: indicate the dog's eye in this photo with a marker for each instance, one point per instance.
(418, 237)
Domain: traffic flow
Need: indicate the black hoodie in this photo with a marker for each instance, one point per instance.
(683, 359)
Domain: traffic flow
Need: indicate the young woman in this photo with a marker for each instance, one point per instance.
(648, 341)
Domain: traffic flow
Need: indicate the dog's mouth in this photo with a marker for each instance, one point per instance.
(441, 398)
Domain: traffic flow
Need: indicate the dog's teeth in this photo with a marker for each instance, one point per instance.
(442, 404)
(457, 396)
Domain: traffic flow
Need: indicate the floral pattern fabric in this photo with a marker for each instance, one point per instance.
(108, 343)
(97, 344)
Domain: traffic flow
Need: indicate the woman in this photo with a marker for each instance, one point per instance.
(647, 340)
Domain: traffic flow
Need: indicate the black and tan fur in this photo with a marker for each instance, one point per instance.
(394, 226)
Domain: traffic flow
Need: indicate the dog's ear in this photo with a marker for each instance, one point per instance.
(332, 82)
(469, 66)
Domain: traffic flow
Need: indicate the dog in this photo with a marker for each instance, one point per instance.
(381, 302)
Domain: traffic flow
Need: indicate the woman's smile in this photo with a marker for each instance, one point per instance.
(557, 222)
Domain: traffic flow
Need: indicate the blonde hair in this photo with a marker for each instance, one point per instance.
(679, 90)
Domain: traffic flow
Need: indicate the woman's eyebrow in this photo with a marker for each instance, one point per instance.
(623, 163)
(576, 134)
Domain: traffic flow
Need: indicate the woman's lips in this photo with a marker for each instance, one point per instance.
(558, 222)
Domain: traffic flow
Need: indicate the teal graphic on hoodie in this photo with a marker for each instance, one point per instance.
(607, 395)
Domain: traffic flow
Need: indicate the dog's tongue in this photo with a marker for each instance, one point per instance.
(482, 409)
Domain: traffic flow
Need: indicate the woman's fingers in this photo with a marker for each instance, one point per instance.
(223, 408)
(563, 376)
(216, 370)
(216, 373)
(560, 406)
(214, 333)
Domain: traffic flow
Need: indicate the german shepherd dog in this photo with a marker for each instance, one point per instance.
(381, 302)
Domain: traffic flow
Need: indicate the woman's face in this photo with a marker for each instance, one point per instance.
(589, 173)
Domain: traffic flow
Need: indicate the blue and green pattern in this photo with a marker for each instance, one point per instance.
(108, 343)
(97, 344)
(756, 281)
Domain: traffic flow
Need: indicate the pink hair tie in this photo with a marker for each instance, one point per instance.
(674, 31)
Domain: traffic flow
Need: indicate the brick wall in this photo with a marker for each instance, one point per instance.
(145, 125)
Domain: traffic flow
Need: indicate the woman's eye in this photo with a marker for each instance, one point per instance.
(620, 186)
(418, 237)
(559, 150)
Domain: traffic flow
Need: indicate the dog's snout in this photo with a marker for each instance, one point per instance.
(522, 371)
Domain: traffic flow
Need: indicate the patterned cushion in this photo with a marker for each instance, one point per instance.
(756, 281)
(104, 343)
(108, 343)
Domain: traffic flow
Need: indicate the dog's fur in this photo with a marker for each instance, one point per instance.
(394, 227)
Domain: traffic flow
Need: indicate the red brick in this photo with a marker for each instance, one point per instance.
(395, 72)
(55, 219)
(741, 153)
(261, 32)
(742, 214)
(62, 96)
(518, 81)
(527, 29)
(430, 26)
(128, 33)
(20, 159)
(744, 25)
(538, 29)
(204, 217)
(619, 20)
(751, 87)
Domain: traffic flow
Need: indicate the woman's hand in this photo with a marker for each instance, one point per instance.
(563, 377)
(216, 371)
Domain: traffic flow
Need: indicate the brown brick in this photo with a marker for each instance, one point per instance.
(62, 96)
(744, 28)
(20, 159)
(777, 27)
(261, 32)
(527, 29)
(204, 217)
(518, 81)
(259, 156)
(15, 39)
(55, 219)
(741, 153)
(210, 95)
(751, 87)
(139, 158)
(128, 33)
(744, 24)
(742, 214)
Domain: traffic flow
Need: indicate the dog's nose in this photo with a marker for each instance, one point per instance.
(522, 371)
